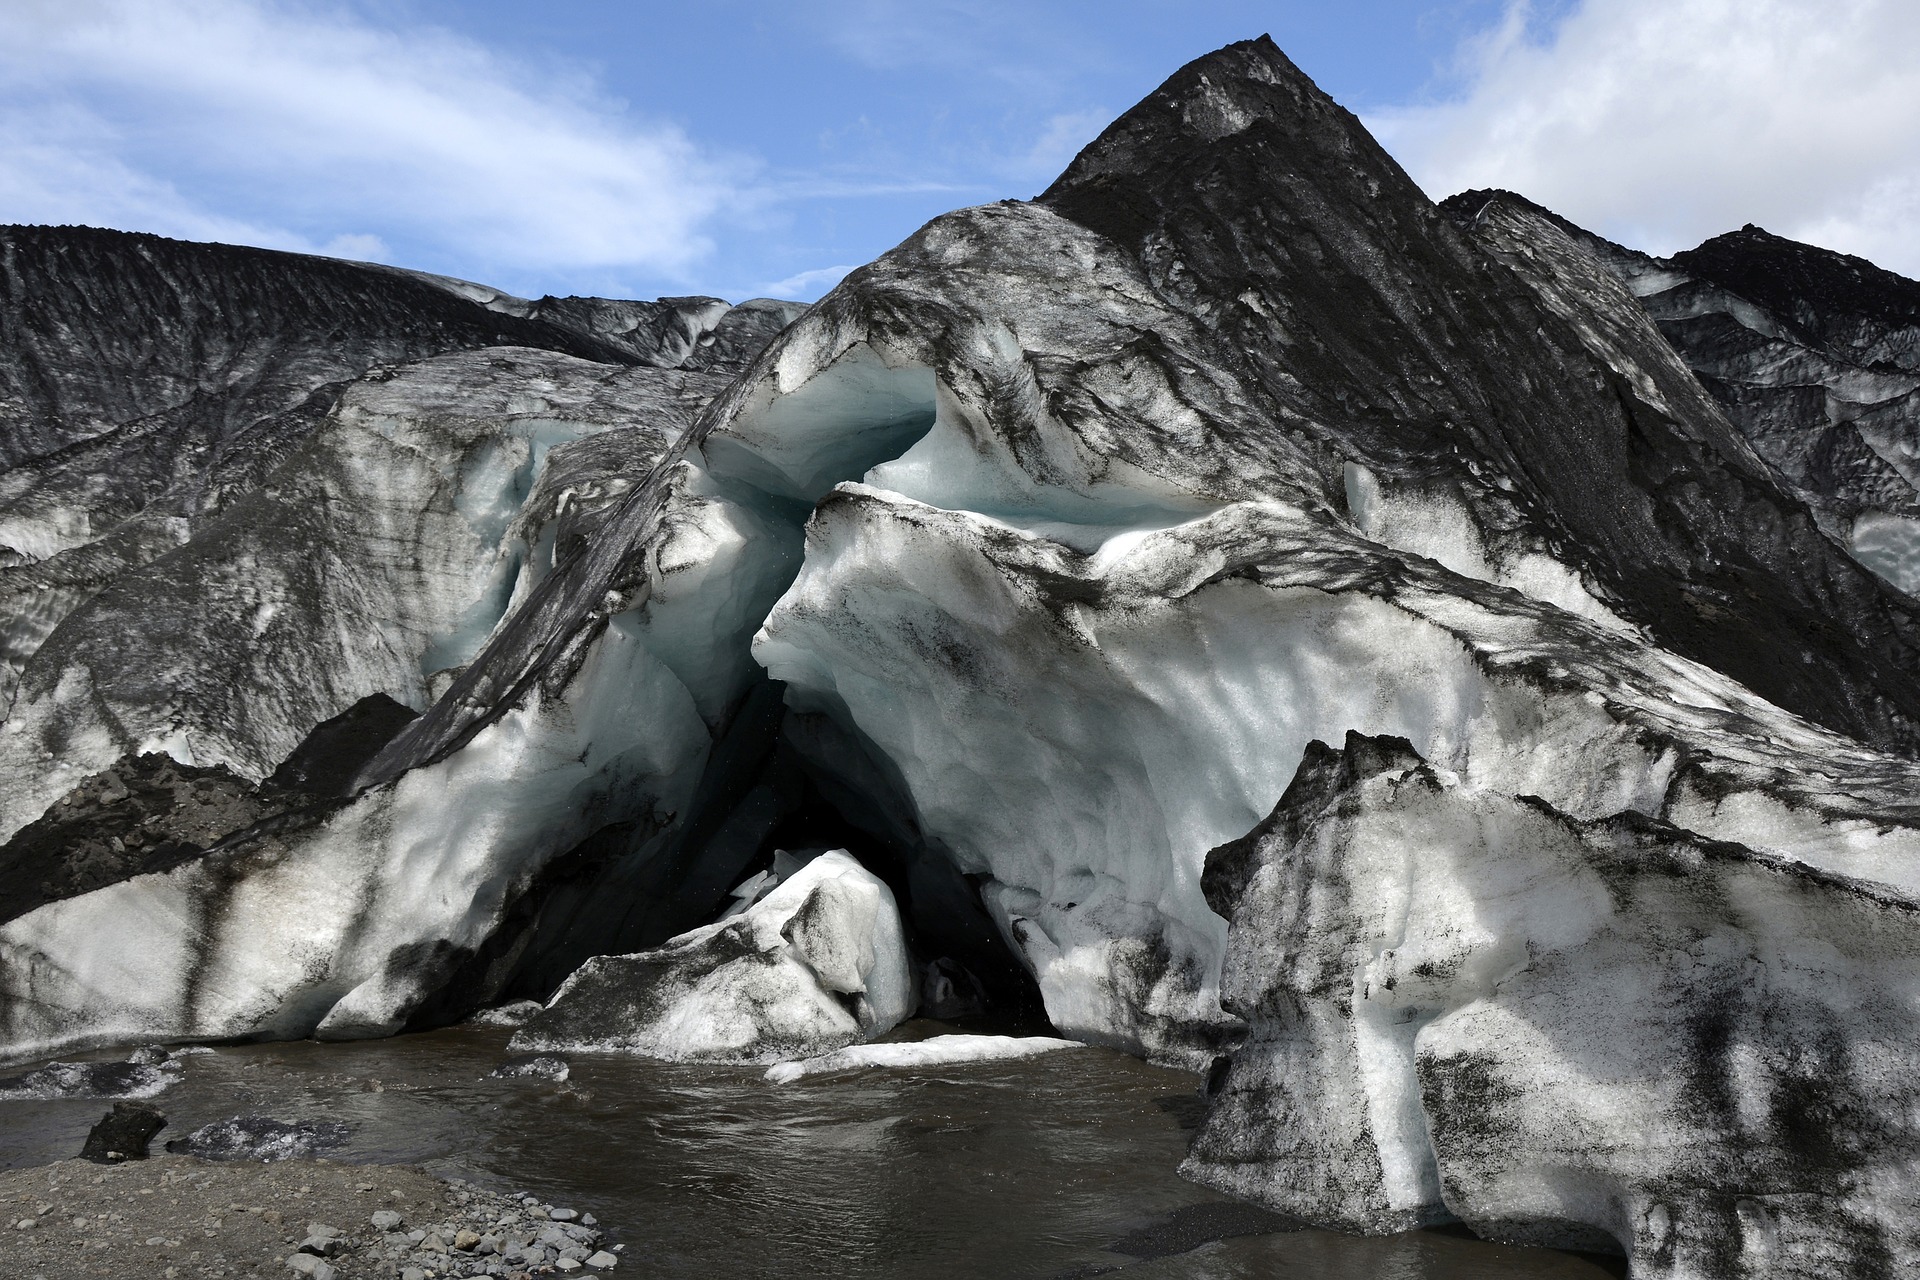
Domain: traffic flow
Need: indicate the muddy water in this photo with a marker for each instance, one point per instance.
(1061, 1165)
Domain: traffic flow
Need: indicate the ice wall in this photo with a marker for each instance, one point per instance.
(385, 549)
(1080, 728)
(341, 921)
(1468, 1005)
(1090, 617)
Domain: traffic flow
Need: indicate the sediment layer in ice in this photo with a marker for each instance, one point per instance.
(382, 551)
(342, 919)
(1467, 1004)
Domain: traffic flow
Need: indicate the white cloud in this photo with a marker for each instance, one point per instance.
(307, 127)
(997, 65)
(805, 286)
(58, 165)
(1663, 122)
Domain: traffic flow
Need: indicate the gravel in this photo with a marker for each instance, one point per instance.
(174, 1217)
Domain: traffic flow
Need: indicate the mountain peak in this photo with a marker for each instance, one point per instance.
(1122, 178)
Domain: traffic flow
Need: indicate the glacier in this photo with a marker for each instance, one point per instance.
(355, 582)
(1035, 569)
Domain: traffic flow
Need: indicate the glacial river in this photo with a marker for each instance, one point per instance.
(1057, 1166)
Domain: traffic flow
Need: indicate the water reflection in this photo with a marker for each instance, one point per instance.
(1031, 1168)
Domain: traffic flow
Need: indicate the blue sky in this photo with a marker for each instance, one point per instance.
(740, 147)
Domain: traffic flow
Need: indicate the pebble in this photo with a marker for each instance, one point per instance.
(324, 1246)
(463, 1232)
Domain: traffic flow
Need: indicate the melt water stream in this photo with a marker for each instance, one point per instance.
(1056, 1166)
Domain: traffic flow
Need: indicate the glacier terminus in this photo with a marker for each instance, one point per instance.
(1448, 680)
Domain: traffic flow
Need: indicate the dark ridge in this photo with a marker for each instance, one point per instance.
(1464, 206)
(105, 327)
(1358, 314)
(1121, 184)
(1806, 287)
(1814, 291)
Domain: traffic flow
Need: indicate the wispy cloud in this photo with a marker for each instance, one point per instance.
(805, 286)
(1661, 122)
(306, 126)
(1061, 139)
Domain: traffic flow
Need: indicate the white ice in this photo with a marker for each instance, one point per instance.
(1890, 546)
(817, 964)
(938, 1051)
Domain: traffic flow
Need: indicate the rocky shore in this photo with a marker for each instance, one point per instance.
(174, 1217)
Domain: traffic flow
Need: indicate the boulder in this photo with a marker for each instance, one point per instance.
(817, 964)
(261, 1138)
(123, 1134)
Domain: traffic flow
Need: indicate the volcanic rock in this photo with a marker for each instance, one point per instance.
(123, 1133)
(261, 1138)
